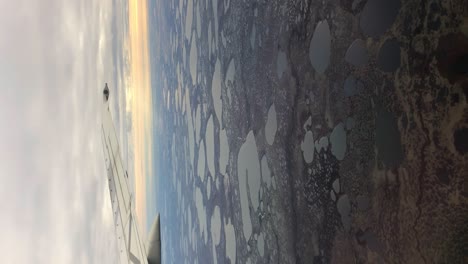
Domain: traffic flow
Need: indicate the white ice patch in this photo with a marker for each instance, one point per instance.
(215, 11)
(224, 151)
(208, 188)
(216, 91)
(248, 169)
(209, 38)
(193, 60)
(199, 29)
(230, 241)
(189, 19)
(210, 146)
(223, 39)
(201, 212)
(216, 226)
(261, 244)
(198, 123)
(201, 161)
(226, 5)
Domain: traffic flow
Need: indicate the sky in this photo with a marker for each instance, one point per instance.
(55, 58)
(140, 104)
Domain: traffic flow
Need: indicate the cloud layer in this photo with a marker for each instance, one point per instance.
(55, 58)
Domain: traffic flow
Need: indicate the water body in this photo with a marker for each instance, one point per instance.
(363, 202)
(350, 86)
(461, 140)
(350, 123)
(387, 138)
(357, 53)
(336, 186)
(372, 241)
(319, 49)
(338, 141)
(281, 64)
(307, 147)
(378, 15)
(271, 125)
(388, 59)
(344, 208)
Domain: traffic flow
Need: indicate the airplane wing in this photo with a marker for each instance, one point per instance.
(130, 246)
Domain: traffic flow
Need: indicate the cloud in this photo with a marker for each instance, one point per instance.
(56, 57)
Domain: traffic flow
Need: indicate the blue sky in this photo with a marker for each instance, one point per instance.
(55, 58)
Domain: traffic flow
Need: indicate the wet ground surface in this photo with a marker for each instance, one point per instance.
(311, 131)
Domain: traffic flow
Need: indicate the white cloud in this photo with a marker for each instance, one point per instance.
(56, 57)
